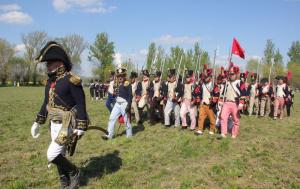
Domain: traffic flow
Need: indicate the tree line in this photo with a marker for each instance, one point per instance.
(24, 69)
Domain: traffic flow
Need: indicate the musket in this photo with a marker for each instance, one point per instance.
(151, 67)
(214, 69)
(257, 69)
(183, 73)
(162, 68)
(199, 67)
(272, 61)
(196, 67)
(177, 77)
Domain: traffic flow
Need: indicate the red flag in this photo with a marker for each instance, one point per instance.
(237, 49)
(289, 75)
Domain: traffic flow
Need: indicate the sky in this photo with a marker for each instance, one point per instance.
(133, 24)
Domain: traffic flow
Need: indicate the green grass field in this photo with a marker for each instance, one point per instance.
(266, 154)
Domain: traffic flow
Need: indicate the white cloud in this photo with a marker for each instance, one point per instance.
(15, 17)
(12, 14)
(172, 40)
(61, 5)
(20, 48)
(90, 6)
(118, 58)
(10, 7)
(100, 9)
(143, 51)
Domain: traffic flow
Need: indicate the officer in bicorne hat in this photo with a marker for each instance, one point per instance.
(64, 104)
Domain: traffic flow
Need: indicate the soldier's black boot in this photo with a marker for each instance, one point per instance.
(70, 168)
(64, 178)
(140, 110)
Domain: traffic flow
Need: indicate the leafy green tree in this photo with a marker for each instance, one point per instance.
(294, 52)
(150, 56)
(294, 63)
(278, 68)
(159, 58)
(252, 65)
(269, 54)
(102, 53)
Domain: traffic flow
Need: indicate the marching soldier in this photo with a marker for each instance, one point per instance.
(244, 86)
(209, 95)
(232, 103)
(111, 96)
(253, 95)
(221, 82)
(265, 92)
(170, 94)
(289, 100)
(122, 106)
(92, 89)
(188, 99)
(155, 98)
(97, 89)
(281, 92)
(134, 83)
(64, 104)
(142, 93)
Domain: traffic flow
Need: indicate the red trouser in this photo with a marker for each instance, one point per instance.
(227, 109)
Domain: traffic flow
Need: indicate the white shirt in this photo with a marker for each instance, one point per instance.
(280, 90)
(206, 92)
(111, 87)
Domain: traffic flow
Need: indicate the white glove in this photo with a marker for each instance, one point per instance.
(79, 132)
(35, 130)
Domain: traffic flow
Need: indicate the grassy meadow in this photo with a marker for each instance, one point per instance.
(266, 154)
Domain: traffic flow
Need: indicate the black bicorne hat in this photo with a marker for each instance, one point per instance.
(53, 51)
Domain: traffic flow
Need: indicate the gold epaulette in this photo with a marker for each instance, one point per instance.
(74, 79)
(126, 83)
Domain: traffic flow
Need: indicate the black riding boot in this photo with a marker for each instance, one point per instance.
(63, 177)
(70, 169)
